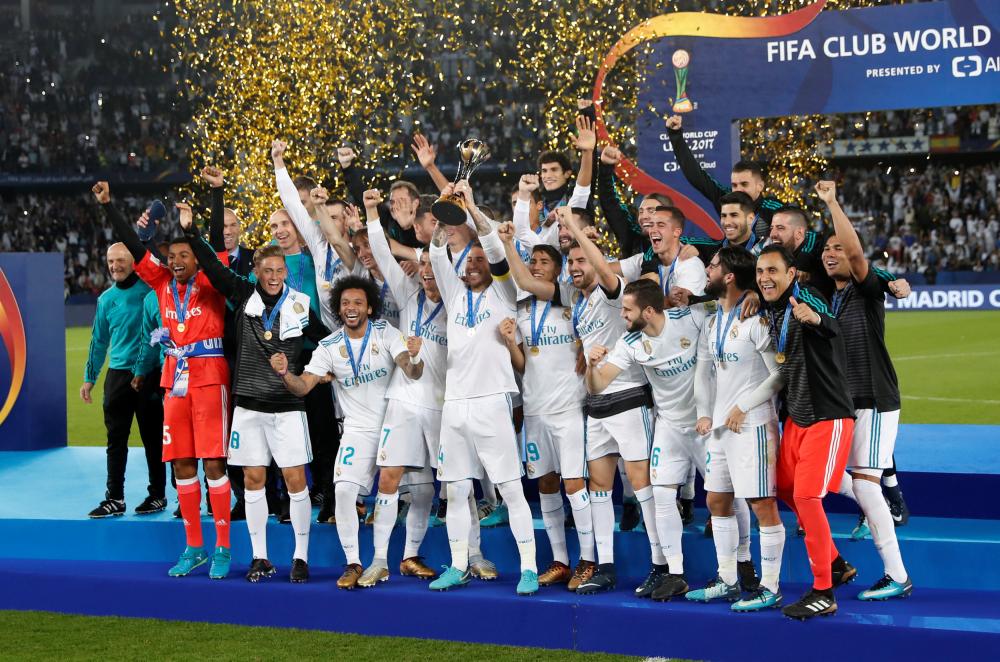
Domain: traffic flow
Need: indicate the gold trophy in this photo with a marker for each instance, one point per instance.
(680, 59)
(450, 209)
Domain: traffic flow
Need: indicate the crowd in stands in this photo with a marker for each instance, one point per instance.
(963, 121)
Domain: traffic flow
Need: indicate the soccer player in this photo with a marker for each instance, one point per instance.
(117, 327)
(678, 278)
(747, 177)
(268, 422)
(195, 410)
(618, 420)
(735, 380)
(361, 356)
(818, 418)
(477, 432)
(664, 346)
(859, 306)
(553, 410)
(409, 442)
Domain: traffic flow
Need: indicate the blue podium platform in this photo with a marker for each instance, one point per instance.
(56, 559)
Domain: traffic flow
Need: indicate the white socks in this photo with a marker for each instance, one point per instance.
(300, 511)
(521, 523)
(847, 488)
(421, 500)
(648, 506)
(772, 543)
(475, 553)
(584, 521)
(256, 509)
(489, 491)
(669, 527)
(603, 512)
(386, 509)
(742, 512)
(347, 520)
(883, 530)
(459, 523)
(725, 533)
(555, 525)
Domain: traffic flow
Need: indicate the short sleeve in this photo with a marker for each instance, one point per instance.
(393, 339)
(321, 362)
(621, 355)
(870, 287)
(690, 275)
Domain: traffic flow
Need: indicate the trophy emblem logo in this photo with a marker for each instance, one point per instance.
(680, 59)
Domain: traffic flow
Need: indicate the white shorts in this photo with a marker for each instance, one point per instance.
(410, 438)
(743, 463)
(356, 458)
(257, 437)
(628, 434)
(674, 452)
(477, 438)
(555, 444)
(874, 439)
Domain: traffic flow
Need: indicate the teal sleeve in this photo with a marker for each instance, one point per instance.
(100, 336)
(148, 357)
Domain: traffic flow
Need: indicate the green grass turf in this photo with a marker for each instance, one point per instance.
(948, 365)
(35, 635)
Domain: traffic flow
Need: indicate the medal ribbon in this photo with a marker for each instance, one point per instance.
(268, 320)
(536, 331)
(331, 266)
(295, 283)
(355, 366)
(461, 258)
(665, 282)
(471, 314)
(720, 340)
(577, 311)
(783, 336)
(181, 310)
(420, 326)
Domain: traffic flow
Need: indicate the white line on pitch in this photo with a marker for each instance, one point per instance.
(935, 399)
(920, 357)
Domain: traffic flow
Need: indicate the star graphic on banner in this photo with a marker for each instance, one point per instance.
(883, 146)
(866, 147)
(850, 147)
(919, 144)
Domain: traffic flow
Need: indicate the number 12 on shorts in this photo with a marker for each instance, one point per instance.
(346, 453)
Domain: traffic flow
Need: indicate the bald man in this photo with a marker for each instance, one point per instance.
(118, 331)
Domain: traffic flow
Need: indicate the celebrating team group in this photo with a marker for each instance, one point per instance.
(487, 350)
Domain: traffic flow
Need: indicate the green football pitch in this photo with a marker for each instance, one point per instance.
(948, 365)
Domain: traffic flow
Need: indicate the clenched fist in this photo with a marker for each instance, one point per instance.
(279, 363)
(213, 176)
(102, 192)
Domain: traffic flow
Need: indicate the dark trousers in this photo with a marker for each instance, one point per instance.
(324, 436)
(121, 403)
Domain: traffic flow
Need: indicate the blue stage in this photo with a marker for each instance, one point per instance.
(65, 562)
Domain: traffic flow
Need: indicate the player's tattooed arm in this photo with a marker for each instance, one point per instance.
(409, 361)
(299, 385)
(542, 289)
(600, 373)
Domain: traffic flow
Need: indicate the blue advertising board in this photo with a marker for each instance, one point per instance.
(948, 297)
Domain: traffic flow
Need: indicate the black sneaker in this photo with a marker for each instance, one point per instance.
(747, 573)
(813, 603)
(651, 582)
(708, 531)
(570, 522)
(151, 505)
(631, 515)
(897, 506)
(670, 586)
(327, 514)
(177, 513)
(208, 504)
(686, 507)
(317, 498)
(285, 517)
(842, 572)
(239, 511)
(299, 573)
(260, 569)
(108, 508)
(603, 579)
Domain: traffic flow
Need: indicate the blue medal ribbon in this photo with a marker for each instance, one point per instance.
(331, 266)
(536, 331)
(355, 367)
(665, 282)
(296, 282)
(720, 334)
(465, 252)
(420, 326)
(783, 336)
(472, 313)
(577, 311)
(268, 320)
(181, 310)
(838, 300)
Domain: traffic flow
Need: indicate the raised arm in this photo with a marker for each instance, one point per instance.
(355, 184)
(401, 286)
(427, 155)
(448, 281)
(620, 220)
(215, 179)
(606, 275)
(293, 205)
(123, 230)
(231, 285)
(542, 289)
(692, 170)
(586, 143)
(827, 192)
(334, 237)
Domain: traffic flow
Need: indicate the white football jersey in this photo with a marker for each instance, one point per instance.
(361, 396)
(478, 361)
(688, 274)
(631, 267)
(598, 321)
(739, 368)
(668, 361)
(428, 391)
(550, 383)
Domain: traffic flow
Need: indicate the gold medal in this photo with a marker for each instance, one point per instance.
(326, 285)
(181, 327)
(779, 357)
(763, 320)
(534, 349)
(267, 335)
(579, 343)
(343, 350)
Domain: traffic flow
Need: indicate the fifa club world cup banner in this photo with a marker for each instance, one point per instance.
(713, 70)
(32, 352)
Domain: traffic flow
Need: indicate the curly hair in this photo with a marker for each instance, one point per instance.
(371, 290)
